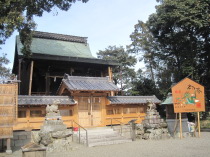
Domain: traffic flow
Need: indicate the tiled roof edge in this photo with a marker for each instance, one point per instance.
(62, 37)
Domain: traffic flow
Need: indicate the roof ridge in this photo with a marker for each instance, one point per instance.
(58, 36)
(87, 78)
(133, 96)
(88, 83)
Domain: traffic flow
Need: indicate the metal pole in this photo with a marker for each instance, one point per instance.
(72, 130)
(79, 134)
(87, 138)
(121, 128)
(111, 123)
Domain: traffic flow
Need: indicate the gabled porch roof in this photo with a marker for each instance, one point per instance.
(78, 83)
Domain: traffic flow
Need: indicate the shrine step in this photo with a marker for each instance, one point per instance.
(124, 130)
(102, 136)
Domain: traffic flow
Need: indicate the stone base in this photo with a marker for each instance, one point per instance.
(59, 145)
(171, 124)
(9, 151)
(20, 138)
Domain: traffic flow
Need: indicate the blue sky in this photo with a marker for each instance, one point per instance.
(104, 22)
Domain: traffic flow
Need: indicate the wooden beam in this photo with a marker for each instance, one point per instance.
(19, 74)
(61, 90)
(16, 100)
(110, 73)
(31, 75)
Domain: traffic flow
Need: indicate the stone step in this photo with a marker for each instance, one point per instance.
(93, 131)
(100, 136)
(97, 137)
(96, 133)
(115, 138)
(123, 129)
(109, 142)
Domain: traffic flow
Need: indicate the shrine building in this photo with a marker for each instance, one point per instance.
(62, 68)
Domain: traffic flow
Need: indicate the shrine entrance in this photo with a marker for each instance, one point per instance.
(89, 111)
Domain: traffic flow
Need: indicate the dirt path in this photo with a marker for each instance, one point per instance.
(187, 147)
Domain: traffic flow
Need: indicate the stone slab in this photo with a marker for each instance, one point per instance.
(171, 124)
(22, 137)
(18, 143)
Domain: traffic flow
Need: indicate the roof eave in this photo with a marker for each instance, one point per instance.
(71, 59)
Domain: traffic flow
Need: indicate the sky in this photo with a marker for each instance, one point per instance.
(104, 22)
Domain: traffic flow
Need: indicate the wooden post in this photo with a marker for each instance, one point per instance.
(180, 124)
(112, 93)
(199, 127)
(19, 74)
(16, 100)
(122, 118)
(47, 85)
(31, 75)
(110, 73)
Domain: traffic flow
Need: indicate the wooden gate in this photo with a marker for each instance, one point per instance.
(8, 109)
(89, 111)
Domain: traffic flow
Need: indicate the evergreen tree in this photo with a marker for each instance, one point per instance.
(4, 71)
(124, 73)
(177, 37)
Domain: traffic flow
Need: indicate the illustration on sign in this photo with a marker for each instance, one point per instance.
(188, 96)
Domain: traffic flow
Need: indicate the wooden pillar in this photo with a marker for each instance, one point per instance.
(28, 117)
(31, 76)
(9, 151)
(47, 84)
(112, 93)
(180, 125)
(199, 128)
(16, 100)
(110, 73)
(19, 74)
(122, 119)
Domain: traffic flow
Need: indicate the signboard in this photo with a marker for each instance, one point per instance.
(8, 109)
(188, 96)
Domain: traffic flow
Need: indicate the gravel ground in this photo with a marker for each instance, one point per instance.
(187, 147)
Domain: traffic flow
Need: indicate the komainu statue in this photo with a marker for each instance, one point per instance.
(52, 110)
(150, 106)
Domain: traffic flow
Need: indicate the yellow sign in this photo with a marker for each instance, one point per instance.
(188, 96)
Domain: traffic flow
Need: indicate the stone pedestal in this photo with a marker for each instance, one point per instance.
(153, 127)
(9, 150)
(173, 123)
(54, 134)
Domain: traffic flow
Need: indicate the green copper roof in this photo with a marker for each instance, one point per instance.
(169, 100)
(57, 47)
